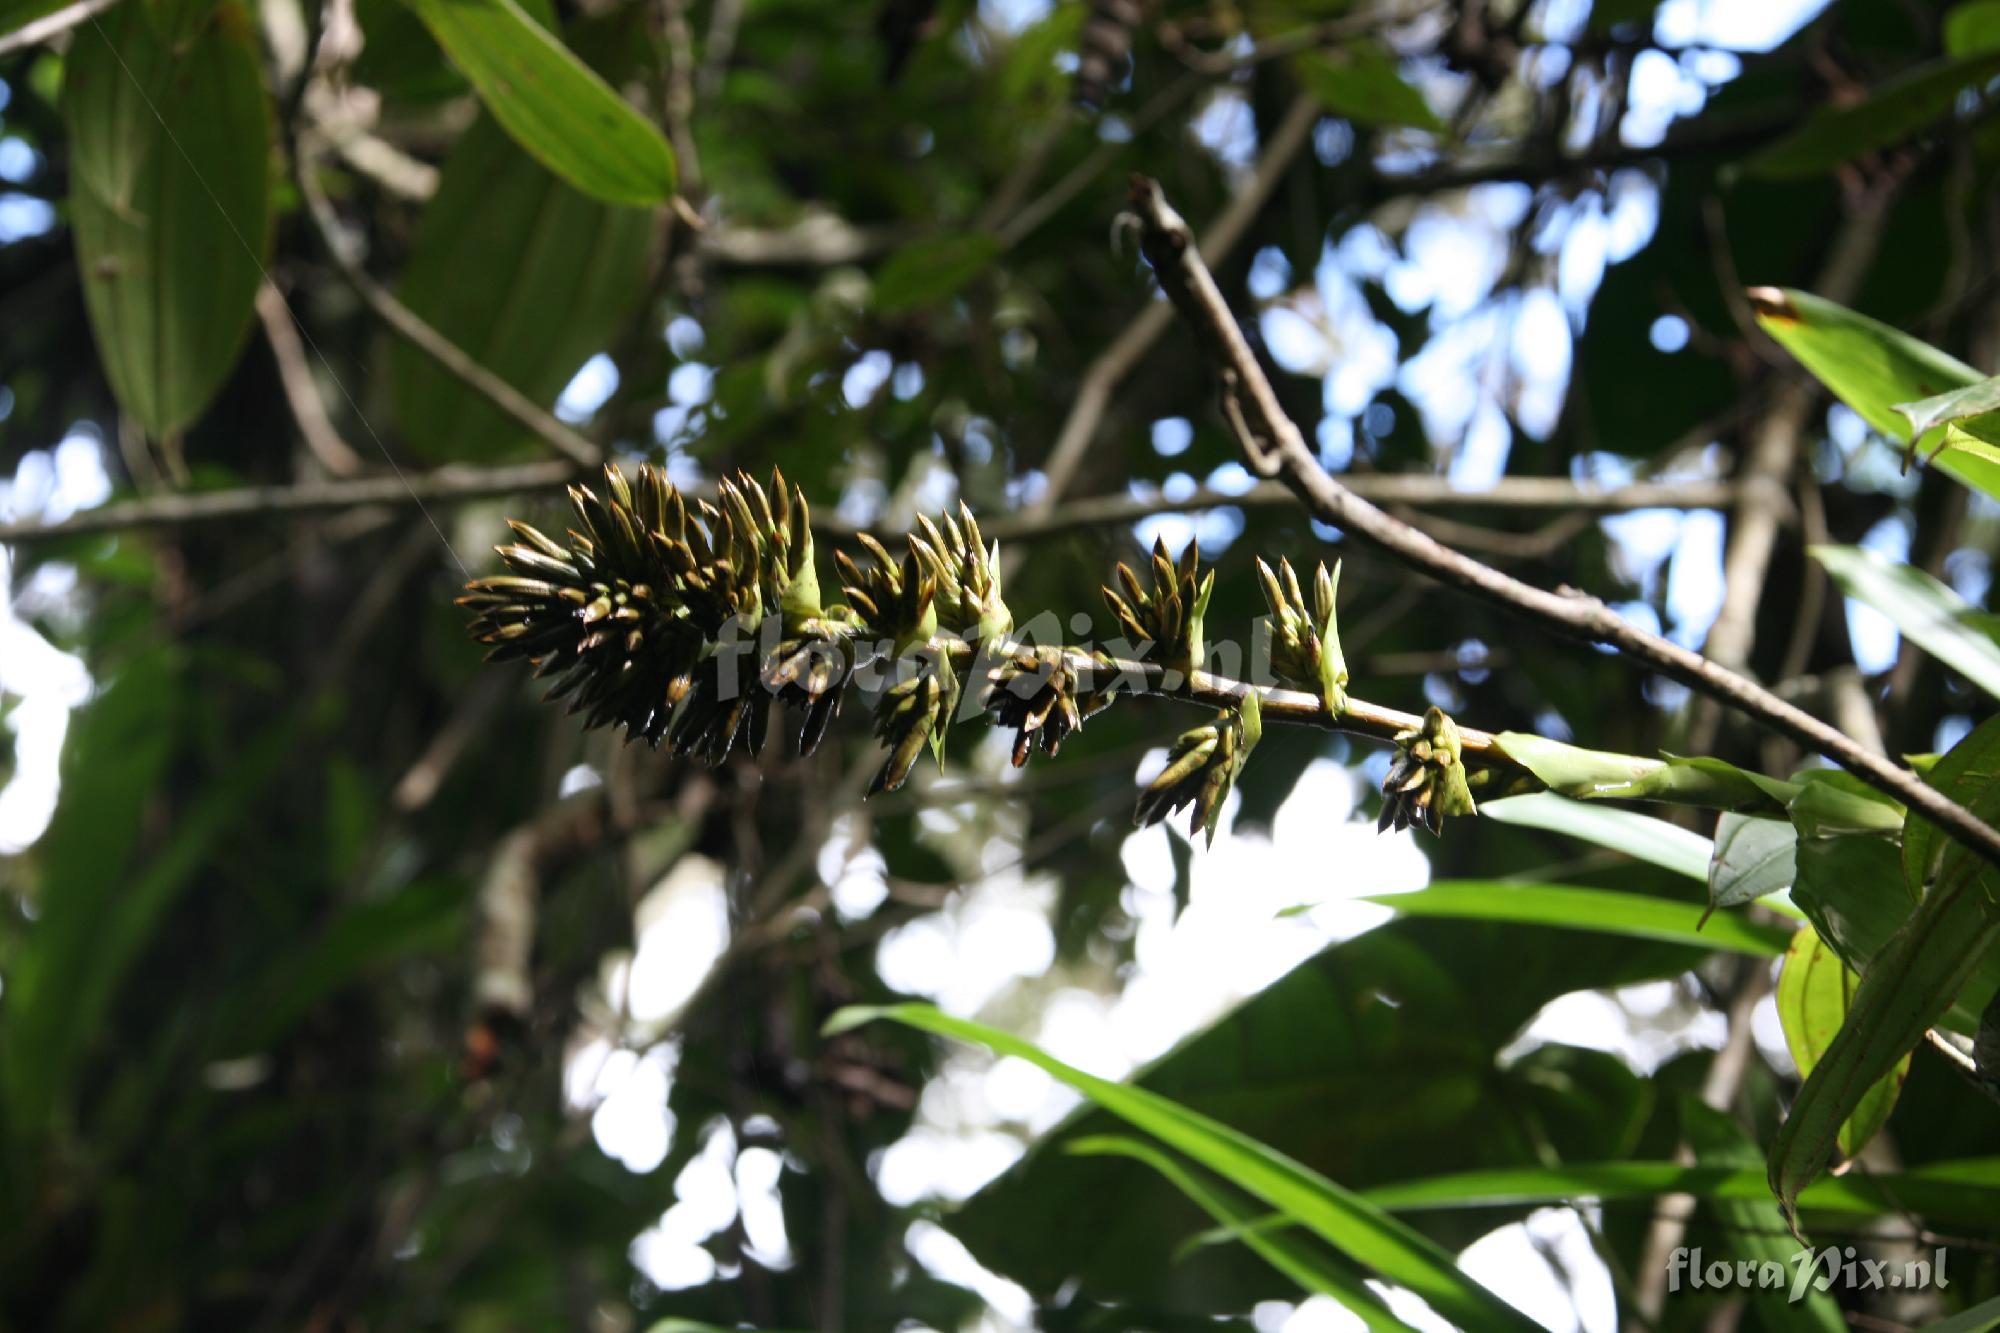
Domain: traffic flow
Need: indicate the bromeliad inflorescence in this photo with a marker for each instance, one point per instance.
(685, 620)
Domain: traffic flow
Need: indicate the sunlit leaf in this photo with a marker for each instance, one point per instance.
(1280, 1247)
(553, 105)
(1926, 611)
(1567, 907)
(1362, 1232)
(1642, 837)
(1874, 368)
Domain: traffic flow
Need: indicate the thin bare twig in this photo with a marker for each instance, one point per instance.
(1170, 247)
(301, 393)
(53, 25)
(1073, 442)
(455, 484)
(413, 328)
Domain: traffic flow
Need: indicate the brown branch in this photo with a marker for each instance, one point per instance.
(414, 329)
(455, 484)
(53, 25)
(1170, 248)
(1111, 367)
(295, 377)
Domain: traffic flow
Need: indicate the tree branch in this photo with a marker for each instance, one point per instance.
(1171, 249)
(454, 484)
(52, 25)
(530, 416)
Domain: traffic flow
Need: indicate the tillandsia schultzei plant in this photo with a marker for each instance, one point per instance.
(683, 620)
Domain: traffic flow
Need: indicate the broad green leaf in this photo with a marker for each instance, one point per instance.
(1815, 990)
(1898, 110)
(1668, 846)
(1359, 1230)
(1360, 81)
(1567, 907)
(526, 275)
(1833, 800)
(566, 116)
(169, 155)
(1755, 1226)
(1851, 888)
(1908, 985)
(932, 270)
(1927, 612)
(1754, 858)
(1312, 1270)
(1873, 368)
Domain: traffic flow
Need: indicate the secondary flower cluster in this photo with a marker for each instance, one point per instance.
(684, 621)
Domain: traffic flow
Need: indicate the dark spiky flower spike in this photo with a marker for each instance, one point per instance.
(626, 614)
(1047, 692)
(685, 620)
(1171, 612)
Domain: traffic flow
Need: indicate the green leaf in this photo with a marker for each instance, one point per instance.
(1909, 984)
(1594, 775)
(1359, 1230)
(1754, 858)
(1873, 369)
(528, 276)
(1312, 1270)
(1851, 888)
(1896, 111)
(1972, 27)
(1756, 1227)
(1668, 846)
(566, 116)
(1361, 82)
(1967, 1191)
(935, 269)
(1567, 907)
(1951, 408)
(1375, 1060)
(1967, 774)
(1927, 612)
(169, 156)
(1815, 991)
(1981, 1318)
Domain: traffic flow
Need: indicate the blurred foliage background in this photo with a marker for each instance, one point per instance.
(343, 986)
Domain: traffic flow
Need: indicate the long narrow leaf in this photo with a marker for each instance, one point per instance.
(1909, 985)
(1277, 1247)
(1874, 369)
(1567, 907)
(1967, 1191)
(1668, 846)
(551, 102)
(1357, 1228)
(1928, 613)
